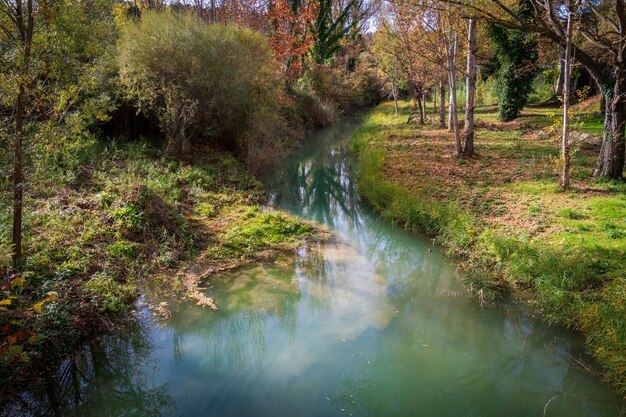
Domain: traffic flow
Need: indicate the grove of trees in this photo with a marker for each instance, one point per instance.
(420, 44)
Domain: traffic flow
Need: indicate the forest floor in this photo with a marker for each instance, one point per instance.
(127, 220)
(503, 213)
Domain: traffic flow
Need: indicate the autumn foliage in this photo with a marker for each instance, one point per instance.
(290, 34)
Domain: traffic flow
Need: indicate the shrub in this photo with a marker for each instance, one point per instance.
(200, 81)
(341, 88)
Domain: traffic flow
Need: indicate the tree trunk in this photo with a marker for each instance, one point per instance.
(602, 106)
(442, 104)
(565, 153)
(420, 108)
(394, 91)
(25, 23)
(451, 51)
(559, 80)
(468, 148)
(18, 180)
(610, 162)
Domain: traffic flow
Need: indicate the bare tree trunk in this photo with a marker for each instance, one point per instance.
(18, 180)
(420, 107)
(565, 153)
(451, 51)
(394, 92)
(559, 80)
(434, 101)
(468, 148)
(442, 104)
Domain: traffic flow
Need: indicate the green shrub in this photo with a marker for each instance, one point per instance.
(201, 81)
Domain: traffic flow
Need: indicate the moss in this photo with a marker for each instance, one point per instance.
(257, 229)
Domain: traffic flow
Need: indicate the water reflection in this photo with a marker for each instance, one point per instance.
(317, 184)
(104, 379)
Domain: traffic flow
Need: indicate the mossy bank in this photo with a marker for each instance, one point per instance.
(503, 213)
(128, 218)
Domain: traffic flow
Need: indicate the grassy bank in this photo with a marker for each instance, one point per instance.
(122, 219)
(503, 213)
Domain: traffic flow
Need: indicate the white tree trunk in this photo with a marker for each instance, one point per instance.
(451, 51)
(565, 151)
(442, 104)
(394, 91)
(468, 147)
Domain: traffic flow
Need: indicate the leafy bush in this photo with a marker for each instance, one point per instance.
(341, 88)
(201, 81)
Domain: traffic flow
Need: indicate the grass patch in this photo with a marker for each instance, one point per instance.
(260, 229)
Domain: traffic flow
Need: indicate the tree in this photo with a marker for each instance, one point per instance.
(18, 26)
(602, 28)
(442, 103)
(49, 58)
(451, 44)
(291, 36)
(389, 69)
(418, 32)
(336, 20)
(515, 54)
(565, 151)
(470, 82)
(428, 45)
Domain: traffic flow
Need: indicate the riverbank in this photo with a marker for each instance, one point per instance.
(125, 220)
(503, 213)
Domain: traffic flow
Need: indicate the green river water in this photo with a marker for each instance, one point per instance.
(373, 324)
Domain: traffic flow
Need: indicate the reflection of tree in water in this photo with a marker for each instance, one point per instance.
(247, 300)
(320, 186)
(312, 272)
(318, 191)
(104, 379)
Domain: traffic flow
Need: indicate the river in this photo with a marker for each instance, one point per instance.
(375, 323)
